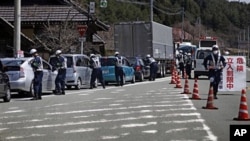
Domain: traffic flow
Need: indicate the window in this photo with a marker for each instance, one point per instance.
(108, 61)
(46, 66)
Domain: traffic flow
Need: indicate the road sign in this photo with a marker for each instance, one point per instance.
(20, 54)
(82, 29)
(92, 7)
(103, 3)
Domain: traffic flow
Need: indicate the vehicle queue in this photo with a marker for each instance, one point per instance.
(34, 76)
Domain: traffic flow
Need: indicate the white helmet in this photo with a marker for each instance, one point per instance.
(32, 51)
(58, 52)
(91, 55)
(189, 54)
(148, 55)
(215, 47)
(116, 53)
(180, 51)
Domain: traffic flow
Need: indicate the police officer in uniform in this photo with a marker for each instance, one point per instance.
(180, 58)
(60, 64)
(188, 65)
(153, 67)
(95, 64)
(37, 66)
(214, 62)
(118, 69)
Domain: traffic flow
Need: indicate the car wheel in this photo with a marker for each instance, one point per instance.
(79, 84)
(31, 92)
(141, 77)
(133, 79)
(7, 97)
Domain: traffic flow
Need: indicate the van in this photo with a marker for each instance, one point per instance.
(78, 73)
(199, 68)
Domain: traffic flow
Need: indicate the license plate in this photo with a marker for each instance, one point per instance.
(105, 71)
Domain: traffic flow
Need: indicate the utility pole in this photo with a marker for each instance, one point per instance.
(17, 28)
(151, 10)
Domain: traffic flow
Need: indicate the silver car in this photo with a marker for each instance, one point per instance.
(78, 73)
(21, 75)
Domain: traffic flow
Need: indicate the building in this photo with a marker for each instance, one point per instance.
(37, 13)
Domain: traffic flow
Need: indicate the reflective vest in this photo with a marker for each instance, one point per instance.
(119, 61)
(96, 62)
(217, 64)
(61, 62)
(151, 60)
(37, 63)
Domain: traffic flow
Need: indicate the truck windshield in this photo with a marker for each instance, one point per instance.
(207, 43)
(201, 54)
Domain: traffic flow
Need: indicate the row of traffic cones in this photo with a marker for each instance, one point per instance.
(243, 109)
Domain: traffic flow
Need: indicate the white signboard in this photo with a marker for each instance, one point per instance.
(234, 74)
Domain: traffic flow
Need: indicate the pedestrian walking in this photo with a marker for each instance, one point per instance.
(60, 64)
(153, 67)
(181, 60)
(188, 65)
(96, 74)
(214, 63)
(118, 69)
(37, 66)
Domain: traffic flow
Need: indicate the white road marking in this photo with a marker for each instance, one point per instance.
(22, 137)
(138, 125)
(14, 111)
(175, 130)
(150, 131)
(81, 130)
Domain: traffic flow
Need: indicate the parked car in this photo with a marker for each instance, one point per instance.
(78, 73)
(21, 75)
(4, 87)
(108, 70)
(141, 70)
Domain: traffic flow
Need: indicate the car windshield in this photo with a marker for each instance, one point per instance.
(107, 61)
(201, 54)
(12, 65)
(69, 61)
(12, 62)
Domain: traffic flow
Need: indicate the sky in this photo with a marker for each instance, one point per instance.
(247, 1)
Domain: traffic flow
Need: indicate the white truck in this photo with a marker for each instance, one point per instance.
(137, 39)
(204, 49)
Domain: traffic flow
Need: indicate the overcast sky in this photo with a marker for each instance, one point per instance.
(247, 1)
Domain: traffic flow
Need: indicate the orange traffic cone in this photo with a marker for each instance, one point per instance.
(210, 99)
(173, 77)
(186, 87)
(195, 91)
(178, 82)
(243, 112)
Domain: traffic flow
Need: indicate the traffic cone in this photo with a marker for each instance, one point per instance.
(178, 82)
(195, 95)
(173, 77)
(186, 87)
(243, 112)
(210, 99)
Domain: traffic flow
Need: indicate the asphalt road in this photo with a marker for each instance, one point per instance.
(144, 111)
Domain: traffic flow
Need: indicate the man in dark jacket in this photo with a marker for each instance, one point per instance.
(214, 63)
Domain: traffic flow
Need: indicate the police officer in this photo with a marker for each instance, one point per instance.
(60, 65)
(95, 64)
(180, 58)
(214, 62)
(188, 65)
(153, 67)
(37, 66)
(118, 69)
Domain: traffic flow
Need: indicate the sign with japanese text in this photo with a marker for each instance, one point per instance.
(234, 74)
(82, 29)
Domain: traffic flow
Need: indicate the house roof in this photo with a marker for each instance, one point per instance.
(38, 13)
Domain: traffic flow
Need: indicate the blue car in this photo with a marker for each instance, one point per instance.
(108, 70)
